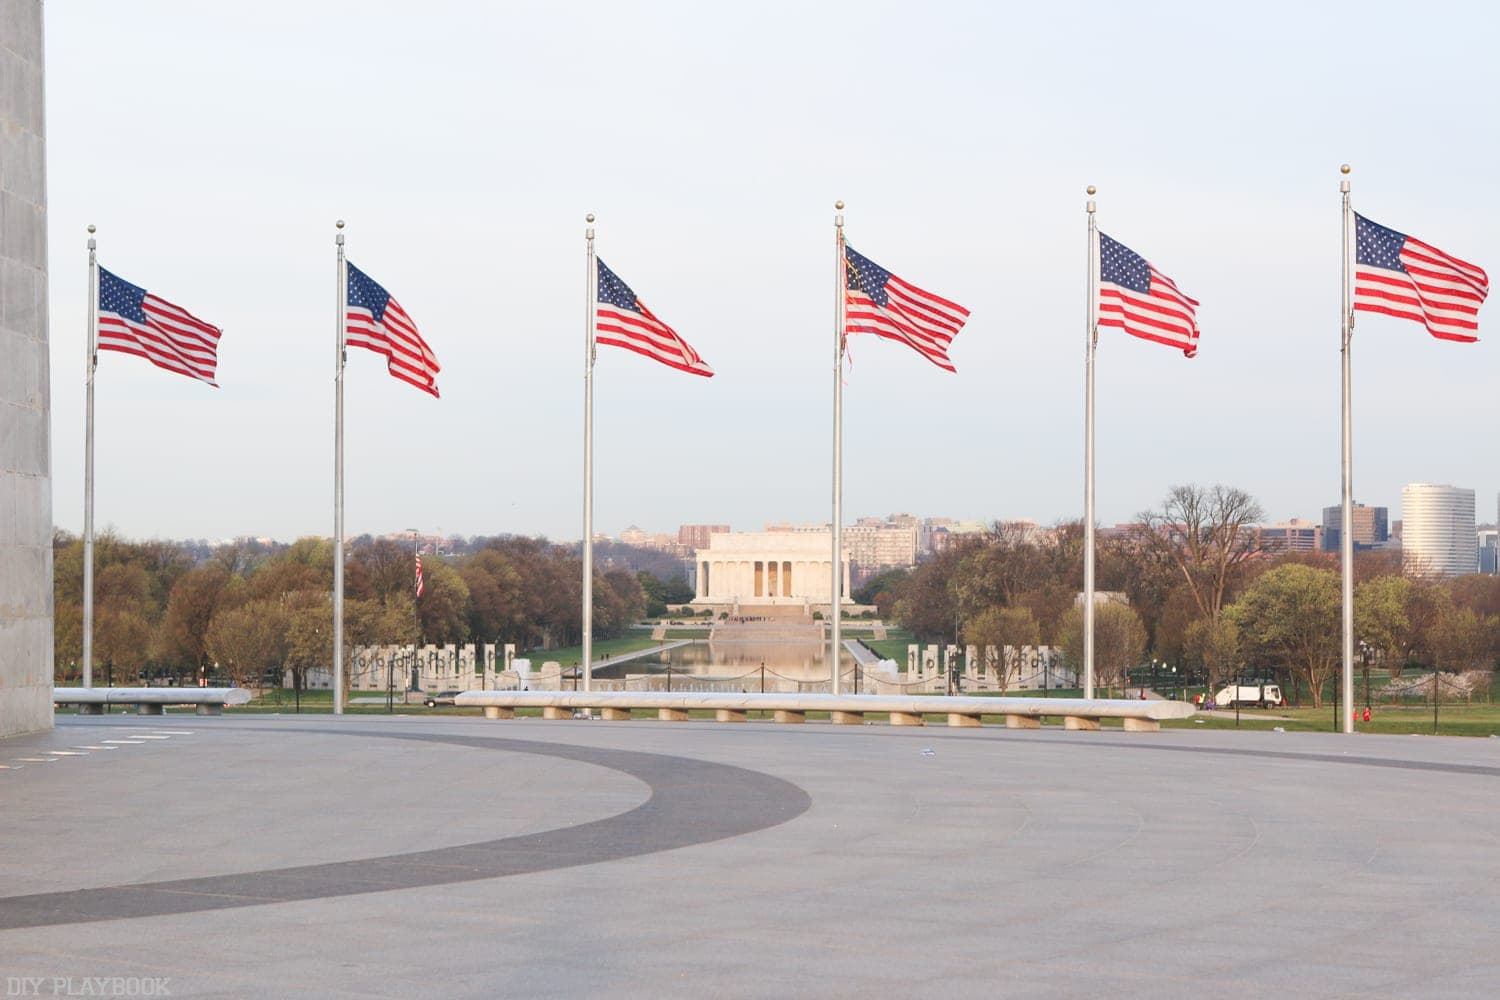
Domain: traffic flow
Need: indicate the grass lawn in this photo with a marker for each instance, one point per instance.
(893, 647)
(1474, 719)
(571, 655)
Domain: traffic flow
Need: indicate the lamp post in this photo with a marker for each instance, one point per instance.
(1364, 659)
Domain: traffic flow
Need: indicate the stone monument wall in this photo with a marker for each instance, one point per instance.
(25, 452)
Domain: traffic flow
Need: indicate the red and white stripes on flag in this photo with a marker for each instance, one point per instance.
(1142, 301)
(878, 302)
(1400, 276)
(419, 574)
(622, 320)
(376, 322)
(133, 321)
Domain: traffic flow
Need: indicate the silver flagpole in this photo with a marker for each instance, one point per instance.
(1092, 341)
(91, 362)
(836, 579)
(341, 301)
(590, 297)
(1346, 536)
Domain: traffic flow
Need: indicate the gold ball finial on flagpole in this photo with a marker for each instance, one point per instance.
(839, 204)
(91, 228)
(1344, 169)
(1091, 190)
(589, 217)
(338, 224)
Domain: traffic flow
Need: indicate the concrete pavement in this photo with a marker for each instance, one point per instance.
(370, 856)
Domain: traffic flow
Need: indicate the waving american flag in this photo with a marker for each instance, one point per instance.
(133, 321)
(878, 302)
(1406, 278)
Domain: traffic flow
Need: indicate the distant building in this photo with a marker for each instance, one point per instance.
(1438, 527)
(873, 544)
(1370, 526)
(659, 542)
(1295, 535)
(1487, 549)
(695, 536)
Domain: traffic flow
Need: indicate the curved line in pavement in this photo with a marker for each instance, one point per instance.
(692, 802)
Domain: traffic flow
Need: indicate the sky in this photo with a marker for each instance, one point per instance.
(214, 145)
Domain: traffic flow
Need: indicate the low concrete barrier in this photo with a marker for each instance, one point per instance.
(903, 710)
(149, 701)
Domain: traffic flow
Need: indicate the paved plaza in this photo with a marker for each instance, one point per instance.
(364, 856)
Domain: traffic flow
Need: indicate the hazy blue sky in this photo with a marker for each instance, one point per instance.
(214, 145)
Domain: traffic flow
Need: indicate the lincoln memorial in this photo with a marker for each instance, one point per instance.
(768, 568)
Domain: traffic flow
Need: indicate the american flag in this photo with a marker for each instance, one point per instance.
(376, 322)
(133, 321)
(1142, 301)
(419, 574)
(1404, 277)
(878, 302)
(623, 320)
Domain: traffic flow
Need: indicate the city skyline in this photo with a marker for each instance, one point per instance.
(711, 168)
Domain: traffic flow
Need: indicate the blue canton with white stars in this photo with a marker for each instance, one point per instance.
(116, 295)
(1377, 246)
(365, 293)
(613, 291)
(864, 275)
(1120, 265)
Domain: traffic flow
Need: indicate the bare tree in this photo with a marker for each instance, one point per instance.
(1206, 533)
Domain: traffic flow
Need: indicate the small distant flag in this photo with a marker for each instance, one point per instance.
(878, 302)
(133, 321)
(376, 322)
(1142, 301)
(419, 574)
(1406, 278)
(622, 320)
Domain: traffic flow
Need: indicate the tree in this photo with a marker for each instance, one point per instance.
(1006, 630)
(191, 607)
(887, 582)
(618, 600)
(497, 607)
(1205, 532)
(443, 608)
(928, 605)
(309, 635)
(1382, 619)
(1290, 616)
(1119, 640)
(1214, 646)
(248, 641)
(1464, 640)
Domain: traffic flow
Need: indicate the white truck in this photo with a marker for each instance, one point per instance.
(1259, 695)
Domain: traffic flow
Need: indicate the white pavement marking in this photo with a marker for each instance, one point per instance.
(69, 753)
(175, 732)
(131, 742)
(88, 747)
(37, 760)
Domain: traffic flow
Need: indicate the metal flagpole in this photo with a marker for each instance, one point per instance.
(1346, 537)
(91, 362)
(590, 298)
(1088, 452)
(836, 579)
(341, 301)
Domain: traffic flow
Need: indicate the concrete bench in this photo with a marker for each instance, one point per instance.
(149, 701)
(902, 710)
